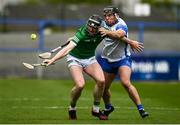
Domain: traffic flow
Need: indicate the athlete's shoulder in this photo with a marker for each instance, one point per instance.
(81, 32)
(79, 35)
(121, 22)
(81, 29)
(121, 25)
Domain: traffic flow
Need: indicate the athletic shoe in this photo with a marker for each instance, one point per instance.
(107, 112)
(72, 114)
(143, 113)
(100, 115)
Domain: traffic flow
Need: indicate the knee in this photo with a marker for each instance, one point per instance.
(80, 86)
(126, 83)
(101, 82)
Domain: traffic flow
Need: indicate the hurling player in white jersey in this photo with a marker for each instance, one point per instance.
(116, 57)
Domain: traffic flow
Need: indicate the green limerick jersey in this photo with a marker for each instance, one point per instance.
(85, 44)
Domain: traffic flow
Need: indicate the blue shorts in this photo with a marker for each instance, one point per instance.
(112, 67)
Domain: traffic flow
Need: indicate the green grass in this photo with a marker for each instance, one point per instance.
(46, 101)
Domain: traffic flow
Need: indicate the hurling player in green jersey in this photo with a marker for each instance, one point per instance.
(81, 58)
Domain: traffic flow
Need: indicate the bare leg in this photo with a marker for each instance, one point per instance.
(125, 73)
(78, 78)
(109, 77)
(94, 70)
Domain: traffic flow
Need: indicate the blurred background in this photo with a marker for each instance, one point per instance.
(41, 96)
(156, 23)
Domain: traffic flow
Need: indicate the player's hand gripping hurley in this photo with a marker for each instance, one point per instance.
(32, 66)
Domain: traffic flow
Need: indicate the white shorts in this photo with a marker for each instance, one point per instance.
(71, 60)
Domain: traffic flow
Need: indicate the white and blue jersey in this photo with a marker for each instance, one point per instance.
(115, 53)
(115, 50)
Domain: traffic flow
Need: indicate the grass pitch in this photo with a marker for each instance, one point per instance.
(46, 101)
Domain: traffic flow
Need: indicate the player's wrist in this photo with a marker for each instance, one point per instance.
(53, 60)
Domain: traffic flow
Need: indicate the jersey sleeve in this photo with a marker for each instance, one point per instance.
(123, 28)
(75, 40)
(77, 37)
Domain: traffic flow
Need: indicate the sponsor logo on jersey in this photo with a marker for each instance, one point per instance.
(87, 40)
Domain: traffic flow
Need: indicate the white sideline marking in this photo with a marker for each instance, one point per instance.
(65, 99)
(85, 107)
(82, 99)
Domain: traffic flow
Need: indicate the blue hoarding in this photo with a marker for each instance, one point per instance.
(155, 68)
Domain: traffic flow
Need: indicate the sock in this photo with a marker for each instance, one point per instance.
(72, 108)
(72, 104)
(108, 106)
(140, 107)
(96, 103)
(96, 106)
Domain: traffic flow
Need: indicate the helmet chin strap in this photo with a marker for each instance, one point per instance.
(116, 15)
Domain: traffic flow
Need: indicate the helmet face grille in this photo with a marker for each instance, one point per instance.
(94, 21)
(93, 24)
(108, 10)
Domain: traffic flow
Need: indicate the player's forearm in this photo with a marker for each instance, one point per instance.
(115, 34)
(126, 40)
(59, 55)
(63, 52)
(112, 34)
